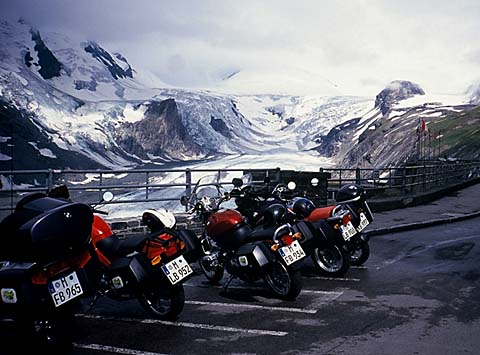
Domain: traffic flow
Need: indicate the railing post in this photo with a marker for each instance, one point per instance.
(188, 184)
(50, 180)
(100, 179)
(147, 182)
(404, 180)
(339, 178)
(357, 176)
(277, 174)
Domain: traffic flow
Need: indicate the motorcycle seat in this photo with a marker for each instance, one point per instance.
(261, 233)
(113, 246)
(320, 213)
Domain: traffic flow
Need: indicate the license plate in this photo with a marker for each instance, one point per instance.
(363, 222)
(348, 231)
(292, 253)
(176, 270)
(65, 289)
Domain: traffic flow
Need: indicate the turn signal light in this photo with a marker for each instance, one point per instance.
(297, 236)
(156, 260)
(274, 247)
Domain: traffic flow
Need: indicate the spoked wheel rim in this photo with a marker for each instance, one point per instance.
(279, 279)
(210, 267)
(329, 259)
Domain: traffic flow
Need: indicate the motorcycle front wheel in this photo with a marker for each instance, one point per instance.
(211, 268)
(360, 254)
(331, 261)
(285, 282)
(164, 304)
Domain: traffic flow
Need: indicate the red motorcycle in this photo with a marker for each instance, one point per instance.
(351, 199)
(230, 244)
(150, 268)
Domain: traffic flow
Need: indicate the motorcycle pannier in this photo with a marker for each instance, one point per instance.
(256, 254)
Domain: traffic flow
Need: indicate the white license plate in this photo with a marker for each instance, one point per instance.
(348, 231)
(363, 222)
(65, 289)
(176, 270)
(292, 253)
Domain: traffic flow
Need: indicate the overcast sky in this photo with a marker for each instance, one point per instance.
(361, 45)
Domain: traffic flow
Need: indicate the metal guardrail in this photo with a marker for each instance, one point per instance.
(144, 185)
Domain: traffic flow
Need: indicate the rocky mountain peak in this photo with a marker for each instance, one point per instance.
(106, 59)
(396, 91)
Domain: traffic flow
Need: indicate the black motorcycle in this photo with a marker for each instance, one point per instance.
(324, 239)
(44, 267)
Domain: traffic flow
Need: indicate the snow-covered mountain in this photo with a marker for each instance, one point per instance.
(67, 104)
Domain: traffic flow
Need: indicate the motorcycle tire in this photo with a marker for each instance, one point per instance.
(333, 261)
(164, 305)
(360, 254)
(211, 269)
(285, 282)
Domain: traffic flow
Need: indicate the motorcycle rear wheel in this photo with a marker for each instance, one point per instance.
(285, 282)
(333, 261)
(162, 304)
(210, 268)
(360, 254)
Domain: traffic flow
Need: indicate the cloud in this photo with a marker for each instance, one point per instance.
(356, 43)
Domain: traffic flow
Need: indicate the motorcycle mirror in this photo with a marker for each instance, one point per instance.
(184, 200)
(237, 182)
(107, 196)
(314, 182)
(291, 185)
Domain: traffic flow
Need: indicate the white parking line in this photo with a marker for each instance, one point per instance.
(114, 349)
(358, 267)
(255, 306)
(332, 278)
(334, 294)
(188, 325)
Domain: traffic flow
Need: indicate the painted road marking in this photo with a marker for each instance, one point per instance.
(188, 325)
(332, 278)
(255, 306)
(114, 349)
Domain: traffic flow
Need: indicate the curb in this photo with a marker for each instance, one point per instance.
(411, 226)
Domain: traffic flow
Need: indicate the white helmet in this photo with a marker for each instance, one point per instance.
(157, 219)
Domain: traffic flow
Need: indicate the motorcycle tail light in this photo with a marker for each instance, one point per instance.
(287, 239)
(173, 247)
(347, 218)
(41, 277)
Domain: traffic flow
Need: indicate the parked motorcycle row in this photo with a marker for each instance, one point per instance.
(56, 252)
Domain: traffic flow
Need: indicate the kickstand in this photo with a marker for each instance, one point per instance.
(95, 299)
(230, 279)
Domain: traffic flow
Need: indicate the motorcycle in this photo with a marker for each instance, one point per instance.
(350, 198)
(230, 244)
(148, 267)
(327, 237)
(44, 267)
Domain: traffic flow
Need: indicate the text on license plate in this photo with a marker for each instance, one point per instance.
(177, 269)
(65, 289)
(363, 222)
(292, 252)
(348, 231)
